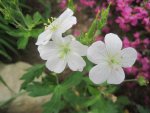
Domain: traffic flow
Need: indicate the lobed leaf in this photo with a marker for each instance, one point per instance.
(32, 73)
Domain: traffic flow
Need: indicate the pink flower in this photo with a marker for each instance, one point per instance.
(120, 4)
(147, 5)
(131, 70)
(126, 12)
(136, 35)
(76, 33)
(146, 21)
(98, 38)
(97, 9)
(139, 57)
(133, 20)
(106, 29)
(112, 2)
(145, 64)
(146, 41)
(126, 42)
(122, 24)
(89, 3)
(136, 43)
(140, 12)
(63, 4)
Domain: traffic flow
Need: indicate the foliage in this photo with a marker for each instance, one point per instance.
(14, 25)
(74, 93)
(96, 26)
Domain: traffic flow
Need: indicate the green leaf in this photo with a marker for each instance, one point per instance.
(104, 16)
(73, 80)
(93, 91)
(39, 89)
(92, 30)
(92, 100)
(105, 106)
(6, 44)
(123, 100)
(35, 32)
(88, 38)
(4, 27)
(28, 21)
(32, 73)
(17, 33)
(4, 54)
(142, 109)
(36, 18)
(22, 42)
(55, 104)
(74, 100)
(2, 81)
(71, 5)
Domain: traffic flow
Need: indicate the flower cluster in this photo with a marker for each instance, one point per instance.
(131, 17)
(60, 52)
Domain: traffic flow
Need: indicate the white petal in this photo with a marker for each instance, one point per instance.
(113, 43)
(97, 52)
(68, 38)
(129, 56)
(67, 13)
(47, 50)
(75, 62)
(44, 37)
(79, 48)
(117, 76)
(99, 73)
(57, 38)
(56, 64)
(67, 24)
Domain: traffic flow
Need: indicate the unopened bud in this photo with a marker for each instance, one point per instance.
(142, 81)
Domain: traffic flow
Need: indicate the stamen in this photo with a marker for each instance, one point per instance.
(65, 49)
(49, 21)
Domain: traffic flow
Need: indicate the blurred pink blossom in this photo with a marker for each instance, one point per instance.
(89, 3)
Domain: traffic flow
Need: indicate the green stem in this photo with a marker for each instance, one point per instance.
(19, 24)
(130, 80)
(57, 79)
(11, 99)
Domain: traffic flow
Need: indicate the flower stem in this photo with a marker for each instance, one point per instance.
(130, 80)
(56, 76)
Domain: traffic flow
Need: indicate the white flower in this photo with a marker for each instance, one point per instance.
(62, 52)
(110, 59)
(60, 25)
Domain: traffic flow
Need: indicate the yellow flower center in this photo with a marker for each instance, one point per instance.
(54, 27)
(64, 50)
(114, 60)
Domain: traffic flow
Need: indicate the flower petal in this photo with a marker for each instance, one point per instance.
(99, 73)
(67, 13)
(79, 48)
(97, 52)
(44, 37)
(67, 24)
(68, 38)
(117, 76)
(47, 50)
(129, 56)
(55, 64)
(75, 62)
(113, 43)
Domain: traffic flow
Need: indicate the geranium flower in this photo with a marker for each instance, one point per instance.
(110, 59)
(60, 25)
(62, 52)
